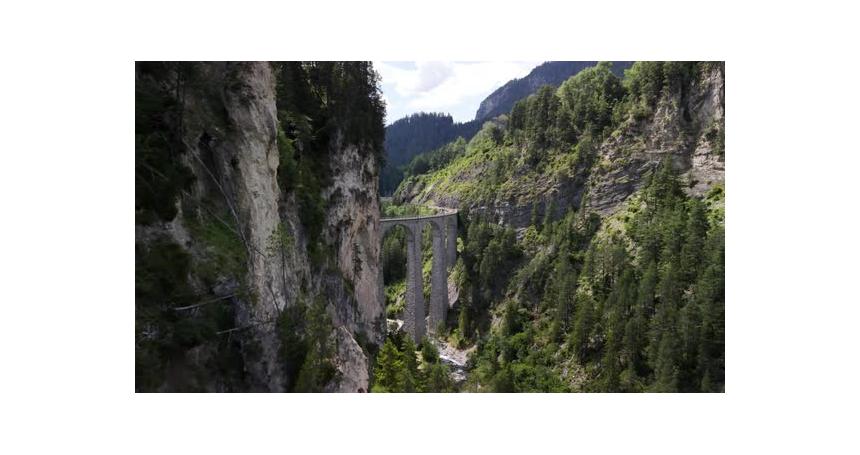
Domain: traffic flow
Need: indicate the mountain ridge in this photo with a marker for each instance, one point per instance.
(423, 132)
(548, 73)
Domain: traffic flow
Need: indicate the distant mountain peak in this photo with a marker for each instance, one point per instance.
(549, 73)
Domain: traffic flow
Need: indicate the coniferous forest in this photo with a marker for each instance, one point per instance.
(589, 240)
(567, 297)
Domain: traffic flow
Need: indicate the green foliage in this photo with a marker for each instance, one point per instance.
(224, 255)
(435, 159)
(311, 209)
(287, 166)
(645, 82)
(292, 328)
(632, 303)
(635, 309)
(390, 371)
(429, 353)
(489, 256)
(590, 98)
(397, 368)
(318, 103)
(394, 256)
(159, 174)
(172, 318)
(438, 378)
(580, 337)
(464, 324)
(317, 370)
(414, 135)
(716, 134)
(395, 299)
(316, 99)
(187, 338)
(539, 125)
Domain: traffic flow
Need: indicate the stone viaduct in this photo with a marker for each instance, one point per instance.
(443, 228)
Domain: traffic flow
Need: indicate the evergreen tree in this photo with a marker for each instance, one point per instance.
(610, 362)
(549, 216)
(463, 325)
(694, 241)
(710, 295)
(294, 346)
(318, 369)
(633, 345)
(503, 381)
(664, 322)
(438, 378)
(564, 290)
(582, 326)
(411, 377)
(390, 371)
(647, 288)
(690, 339)
(590, 97)
(666, 365)
(535, 220)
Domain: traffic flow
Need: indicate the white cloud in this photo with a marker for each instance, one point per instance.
(453, 87)
(432, 74)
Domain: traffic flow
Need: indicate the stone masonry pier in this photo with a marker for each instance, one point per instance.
(443, 228)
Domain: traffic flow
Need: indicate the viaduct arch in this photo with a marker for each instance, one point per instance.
(443, 228)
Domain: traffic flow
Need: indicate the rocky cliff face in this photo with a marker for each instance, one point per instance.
(687, 126)
(228, 126)
(352, 225)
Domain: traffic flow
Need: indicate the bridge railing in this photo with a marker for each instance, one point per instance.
(446, 212)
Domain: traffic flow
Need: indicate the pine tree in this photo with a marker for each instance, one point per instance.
(694, 241)
(535, 220)
(664, 189)
(548, 217)
(666, 366)
(438, 378)
(318, 369)
(294, 347)
(510, 323)
(390, 370)
(664, 322)
(690, 338)
(610, 364)
(503, 381)
(710, 295)
(582, 326)
(647, 288)
(463, 325)
(633, 344)
(411, 377)
(564, 290)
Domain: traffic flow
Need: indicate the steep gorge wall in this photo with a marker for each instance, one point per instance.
(687, 126)
(228, 125)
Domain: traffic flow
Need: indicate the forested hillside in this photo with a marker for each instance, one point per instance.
(592, 254)
(549, 73)
(416, 134)
(591, 242)
(419, 133)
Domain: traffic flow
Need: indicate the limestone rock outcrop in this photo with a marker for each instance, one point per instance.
(686, 127)
(228, 126)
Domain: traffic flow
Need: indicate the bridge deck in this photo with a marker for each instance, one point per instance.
(445, 212)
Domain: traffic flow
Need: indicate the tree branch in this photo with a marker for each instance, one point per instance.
(207, 302)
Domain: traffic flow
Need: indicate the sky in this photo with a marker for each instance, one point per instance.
(455, 88)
